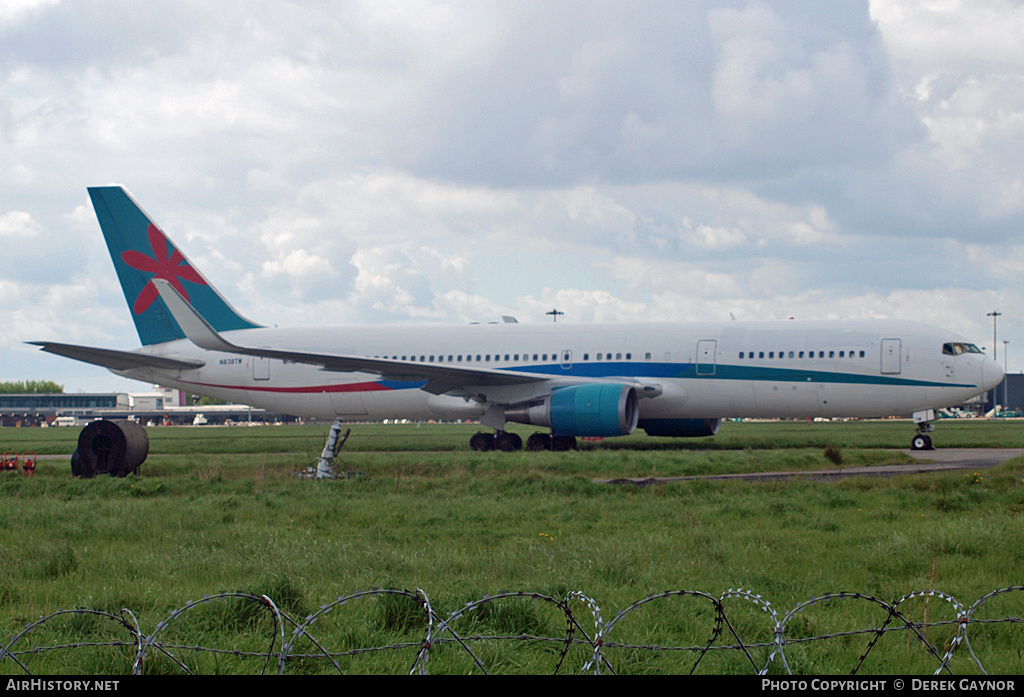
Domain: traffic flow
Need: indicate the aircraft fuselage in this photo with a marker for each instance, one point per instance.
(789, 369)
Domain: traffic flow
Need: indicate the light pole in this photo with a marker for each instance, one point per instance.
(995, 349)
(995, 352)
(1006, 352)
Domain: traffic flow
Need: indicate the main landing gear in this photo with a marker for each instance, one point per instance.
(510, 442)
(923, 419)
(500, 440)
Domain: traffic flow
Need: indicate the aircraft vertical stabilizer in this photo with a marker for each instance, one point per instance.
(141, 252)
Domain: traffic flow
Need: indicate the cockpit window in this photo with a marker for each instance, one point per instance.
(955, 348)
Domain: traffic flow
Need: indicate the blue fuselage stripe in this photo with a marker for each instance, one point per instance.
(688, 371)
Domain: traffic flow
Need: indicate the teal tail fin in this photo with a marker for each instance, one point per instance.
(141, 252)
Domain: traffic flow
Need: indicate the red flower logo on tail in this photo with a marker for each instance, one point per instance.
(170, 269)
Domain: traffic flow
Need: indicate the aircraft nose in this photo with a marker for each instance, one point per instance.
(991, 373)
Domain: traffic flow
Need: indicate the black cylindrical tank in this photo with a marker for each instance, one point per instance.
(116, 448)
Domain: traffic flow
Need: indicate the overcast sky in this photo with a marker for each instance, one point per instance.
(422, 162)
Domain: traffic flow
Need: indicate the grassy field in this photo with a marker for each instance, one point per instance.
(219, 509)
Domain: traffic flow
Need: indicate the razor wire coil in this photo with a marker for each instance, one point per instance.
(291, 640)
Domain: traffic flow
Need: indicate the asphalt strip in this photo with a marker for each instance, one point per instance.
(927, 461)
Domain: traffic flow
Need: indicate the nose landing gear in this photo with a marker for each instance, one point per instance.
(921, 442)
(923, 419)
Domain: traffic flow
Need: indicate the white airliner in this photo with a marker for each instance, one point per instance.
(677, 379)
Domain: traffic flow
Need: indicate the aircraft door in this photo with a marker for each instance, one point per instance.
(892, 356)
(706, 350)
(260, 368)
(566, 359)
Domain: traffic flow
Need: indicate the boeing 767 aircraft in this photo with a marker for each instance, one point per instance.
(669, 379)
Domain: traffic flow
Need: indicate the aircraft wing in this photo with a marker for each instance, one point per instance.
(116, 360)
(439, 378)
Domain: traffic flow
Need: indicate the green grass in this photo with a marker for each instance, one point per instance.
(218, 509)
(309, 439)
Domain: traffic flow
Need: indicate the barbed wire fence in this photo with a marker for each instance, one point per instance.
(727, 624)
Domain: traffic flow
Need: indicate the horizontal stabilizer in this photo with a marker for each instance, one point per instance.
(117, 360)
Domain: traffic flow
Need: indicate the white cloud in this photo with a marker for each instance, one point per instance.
(11, 11)
(952, 36)
(18, 224)
(713, 237)
(962, 65)
(301, 267)
(455, 161)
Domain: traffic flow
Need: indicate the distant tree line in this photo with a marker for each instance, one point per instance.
(31, 387)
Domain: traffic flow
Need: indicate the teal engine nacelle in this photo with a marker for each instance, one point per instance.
(681, 428)
(599, 410)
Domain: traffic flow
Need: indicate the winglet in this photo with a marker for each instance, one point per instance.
(196, 328)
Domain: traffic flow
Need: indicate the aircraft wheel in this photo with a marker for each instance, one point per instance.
(508, 442)
(482, 442)
(538, 442)
(563, 443)
(921, 442)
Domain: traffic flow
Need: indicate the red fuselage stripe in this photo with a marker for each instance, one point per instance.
(315, 389)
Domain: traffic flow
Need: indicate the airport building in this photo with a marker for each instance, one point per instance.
(159, 407)
(1009, 395)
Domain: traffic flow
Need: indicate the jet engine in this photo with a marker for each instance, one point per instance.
(598, 410)
(681, 428)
